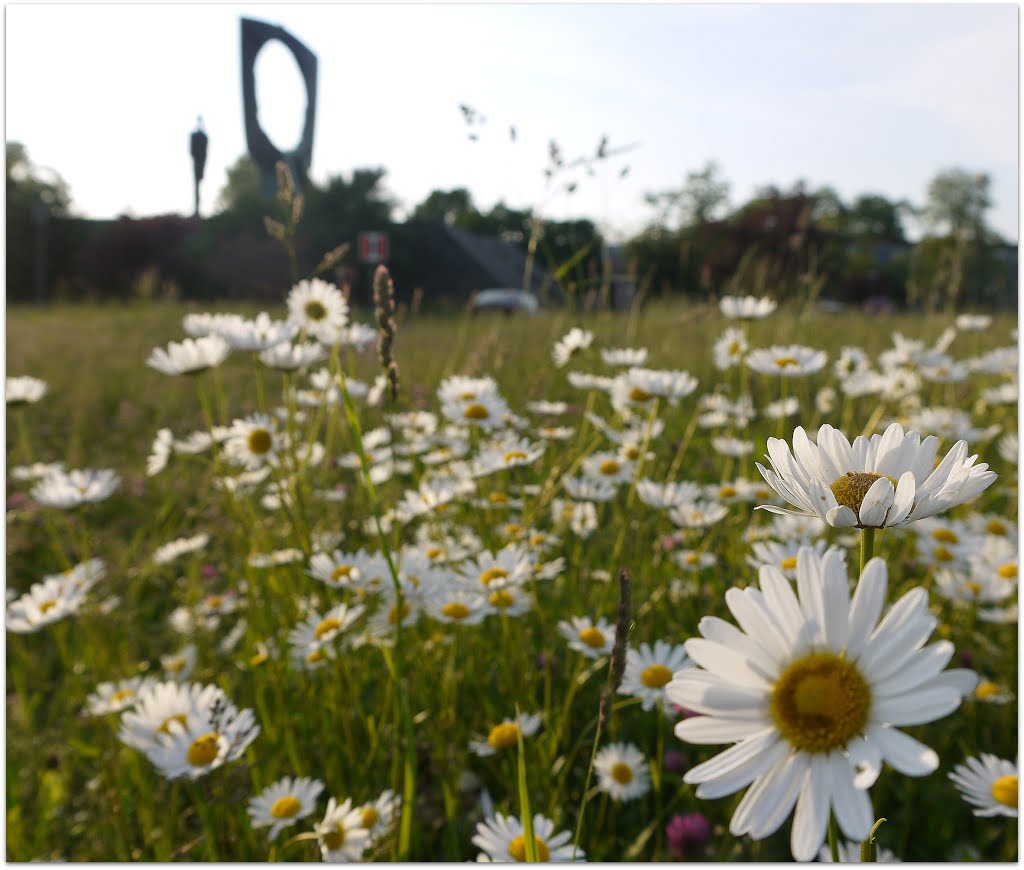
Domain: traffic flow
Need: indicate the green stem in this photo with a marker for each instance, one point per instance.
(833, 837)
(867, 547)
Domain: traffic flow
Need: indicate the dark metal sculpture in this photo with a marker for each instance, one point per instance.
(197, 143)
(265, 154)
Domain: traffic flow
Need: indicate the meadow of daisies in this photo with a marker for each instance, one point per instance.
(725, 582)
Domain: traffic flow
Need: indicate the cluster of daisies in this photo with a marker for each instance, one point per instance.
(811, 685)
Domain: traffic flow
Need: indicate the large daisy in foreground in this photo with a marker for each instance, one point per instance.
(811, 688)
(887, 480)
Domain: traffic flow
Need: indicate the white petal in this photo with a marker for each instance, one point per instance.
(921, 667)
(866, 760)
(742, 775)
(734, 758)
(811, 817)
(836, 601)
(754, 617)
(778, 797)
(961, 680)
(903, 753)
(716, 729)
(705, 693)
(915, 708)
(730, 664)
(903, 501)
(780, 599)
(727, 634)
(852, 805)
(841, 517)
(877, 501)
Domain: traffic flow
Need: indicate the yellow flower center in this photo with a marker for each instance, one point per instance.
(943, 554)
(972, 587)
(258, 659)
(503, 736)
(513, 455)
(788, 564)
(335, 838)
(498, 498)
(851, 488)
(996, 527)
(492, 574)
(622, 773)
(285, 807)
(315, 310)
(342, 571)
(204, 750)
(655, 676)
(1004, 790)
(692, 559)
(165, 726)
(632, 452)
(785, 361)
(568, 512)
(475, 412)
(468, 396)
(727, 492)
(638, 394)
(176, 664)
(947, 536)
(592, 638)
(315, 656)
(501, 599)
(820, 703)
(370, 817)
(517, 849)
(986, 689)
(455, 610)
(47, 606)
(538, 538)
(260, 441)
(435, 553)
(326, 626)
(734, 348)
(1008, 571)
(513, 530)
(609, 466)
(214, 601)
(122, 695)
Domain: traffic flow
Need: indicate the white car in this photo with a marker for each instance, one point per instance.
(504, 299)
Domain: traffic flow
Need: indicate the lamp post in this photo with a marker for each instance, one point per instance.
(198, 142)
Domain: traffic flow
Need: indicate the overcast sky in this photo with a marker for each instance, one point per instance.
(867, 99)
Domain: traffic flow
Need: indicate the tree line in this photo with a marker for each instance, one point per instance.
(794, 242)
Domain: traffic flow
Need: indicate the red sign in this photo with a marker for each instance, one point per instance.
(373, 247)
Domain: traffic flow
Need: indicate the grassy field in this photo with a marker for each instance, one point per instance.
(370, 713)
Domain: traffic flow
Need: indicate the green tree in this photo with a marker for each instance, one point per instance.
(702, 198)
(957, 202)
(448, 206)
(875, 216)
(242, 188)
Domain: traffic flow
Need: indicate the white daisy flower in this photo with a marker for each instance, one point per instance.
(36, 470)
(189, 357)
(511, 565)
(451, 604)
(342, 835)
(115, 697)
(746, 307)
(319, 630)
(24, 390)
(988, 783)
(889, 480)
(649, 670)
(735, 447)
(667, 495)
(782, 554)
(179, 547)
(547, 409)
(378, 816)
(811, 689)
(206, 323)
(694, 560)
(43, 604)
(624, 356)
(288, 357)
(254, 441)
(589, 488)
(319, 308)
(608, 467)
(730, 348)
(590, 381)
(622, 772)
(592, 639)
(258, 334)
(575, 339)
(782, 408)
(505, 735)
(208, 739)
(284, 803)
(698, 514)
(787, 361)
(992, 693)
(502, 840)
(580, 516)
(179, 665)
(77, 487)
